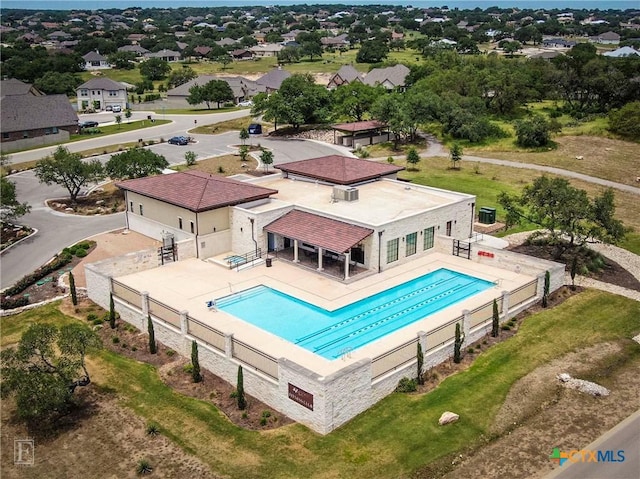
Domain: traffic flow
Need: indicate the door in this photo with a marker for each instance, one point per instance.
(448, 228)
(271, 242)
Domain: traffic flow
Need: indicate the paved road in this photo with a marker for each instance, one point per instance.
(625, 436)
(56, 231)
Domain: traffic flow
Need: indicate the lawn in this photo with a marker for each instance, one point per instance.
(392, 439)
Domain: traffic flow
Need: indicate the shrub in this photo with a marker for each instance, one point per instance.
(133, 348)
(457, 344)
(170, 352)
(242, 402)
(92, 317)
(245, 415)
(266, 413)
(58, 262)
(195, 363)
(153, 429)
(97, 322)
(143, 467)
(13, 303)
(471, 350)
(72, 289)
(115, 340)
(263, 421)
(505, 327)
(81, 253)
(407, 385)
(188, 368)
(153, 346)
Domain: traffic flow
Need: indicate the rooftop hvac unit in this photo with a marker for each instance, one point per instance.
(345, 193)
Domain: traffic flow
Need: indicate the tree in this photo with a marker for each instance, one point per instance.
(626, 121)
(545, 292)
(136, 162)
(457, 344)
(195, 363)
(372, 51)
(68, 170)
(112, 312)
(127, 114)
(244, 135)
(118, 120)
(72, 289)
(356, 99)
(153, 345)
(243, 151)
(495, 323)
(533, 132)
(455, 152)
(180, 77)
(11, 207)
(391, 110)
(266, 158)
(190, 157)
(224, 60)
(58, 83)
(289, 55)
(420, 358)
(413, 158)
(215, 90)
(569, 217)
(241, 400)
(46, 368)
(154, 69)
(122, 60)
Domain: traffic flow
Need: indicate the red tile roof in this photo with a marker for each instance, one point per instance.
(327, 233)
(340, 170)
(195, 190)
(359, 126)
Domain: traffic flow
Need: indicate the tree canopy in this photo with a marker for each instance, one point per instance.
(355, 100)
(215, 90)
(567, 215)
(11, 207)
(135, 163)
(69, 171)
(155, 68)
(46, 367)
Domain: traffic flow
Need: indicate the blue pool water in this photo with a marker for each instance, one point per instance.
(331, 333)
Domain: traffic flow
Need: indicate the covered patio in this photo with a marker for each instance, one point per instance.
(360, 132)
(329, 246)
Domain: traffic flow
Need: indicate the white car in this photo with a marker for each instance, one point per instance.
(246, 103)
(117, 108)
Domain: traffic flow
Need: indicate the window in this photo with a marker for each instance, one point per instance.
(193, 228)
(25, 134)
(5, 134)
(54, 129)
(141, 211)
(428, 238)
(448, 228)
(84, 92)
(412, 239)
(47, 131)
(113, 93)
(179, 222)
(131, 206)
(392, 250)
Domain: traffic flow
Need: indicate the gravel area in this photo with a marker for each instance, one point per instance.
(583, 386)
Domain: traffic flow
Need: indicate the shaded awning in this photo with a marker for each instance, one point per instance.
(359, 126)
(327, 233)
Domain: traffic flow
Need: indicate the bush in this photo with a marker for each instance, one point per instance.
(188, 368)
(533, 132)
(153, 429)
(170, 352)
(81, 253)
(13, 303)
(266, 413)
(115, 340)
(143, 467)
(471, 350)
(92, 317)
(58, 262)
(97, 322)
(406, 385)
(505, 327)
(263, 421)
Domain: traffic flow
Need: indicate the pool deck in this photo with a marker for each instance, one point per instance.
(189, 284)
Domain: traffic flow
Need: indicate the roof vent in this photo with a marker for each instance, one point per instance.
(345, 193)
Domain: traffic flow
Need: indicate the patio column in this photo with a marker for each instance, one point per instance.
(347, 258)
(320, 259)
(295, 251)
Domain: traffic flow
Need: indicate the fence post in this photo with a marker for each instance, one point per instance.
(505, 305)
(466, 326)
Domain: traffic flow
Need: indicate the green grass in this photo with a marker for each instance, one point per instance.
(399, 434)
(631, 243)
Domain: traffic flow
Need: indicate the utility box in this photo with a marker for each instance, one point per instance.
(487, 216)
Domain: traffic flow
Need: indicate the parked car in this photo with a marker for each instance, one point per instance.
(108, 108)
(88, 124)
(246, 103)
(179, 140)
(117, 108)
(255, 129)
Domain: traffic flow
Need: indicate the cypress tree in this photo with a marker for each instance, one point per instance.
(112, 313)
(420, 364)
(72, 289)
(195, 373)
(153, 347)
(495, 325)
(457, 345)
(242, 402)
(545, 293)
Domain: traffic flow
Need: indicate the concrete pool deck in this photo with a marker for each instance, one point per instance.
(189, 284)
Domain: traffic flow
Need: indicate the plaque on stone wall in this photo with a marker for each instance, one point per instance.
(301, 396)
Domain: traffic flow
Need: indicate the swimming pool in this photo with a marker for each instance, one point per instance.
(332, 333)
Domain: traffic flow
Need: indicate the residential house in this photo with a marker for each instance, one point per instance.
(607, 38)
(622, 52)
(95, 61)
(391, 78)
(242, 88)
(272, 80)
(226, 42)
(137, 49)
(31, 120)
(13, 87)
(202, 51)
(241, 54)
(166, 55)
(338, 41)
(347, 74)
(99, 93)
(136, 38)
(266, 50)
(557, 43)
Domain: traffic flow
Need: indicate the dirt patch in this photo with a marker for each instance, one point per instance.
(611, 273)
(99, 439)
(102, 201)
